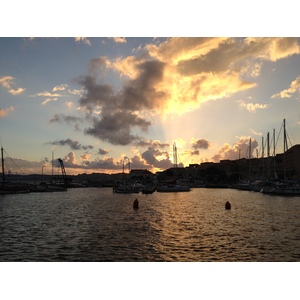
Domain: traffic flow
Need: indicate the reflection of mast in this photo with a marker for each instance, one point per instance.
(52, 162)
(175, 155)
(249, 156)
(2, 159)
(274, 153)
(285, 148)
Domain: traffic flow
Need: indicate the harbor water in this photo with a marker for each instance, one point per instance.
(95, 225)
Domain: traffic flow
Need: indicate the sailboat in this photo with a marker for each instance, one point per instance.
(11, 188)
(177, 185)
(285, 187)
(127, 187)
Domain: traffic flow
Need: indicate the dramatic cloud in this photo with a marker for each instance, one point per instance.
(156, 158)
(240, 149)
(74, 145)
(294, 88)
(176, 76)
(116, 128)
(70, 162)
(252, 107)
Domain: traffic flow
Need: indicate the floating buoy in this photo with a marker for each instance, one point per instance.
(136, 204)
(227, 205)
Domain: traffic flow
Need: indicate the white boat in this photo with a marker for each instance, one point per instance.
(126, 189)
(284, 189)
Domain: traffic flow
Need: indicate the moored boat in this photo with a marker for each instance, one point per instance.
(173, 188)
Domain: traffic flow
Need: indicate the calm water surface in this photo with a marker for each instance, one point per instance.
(93, 224)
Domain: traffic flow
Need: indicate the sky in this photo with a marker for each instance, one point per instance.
(98, 101)
(137, 83)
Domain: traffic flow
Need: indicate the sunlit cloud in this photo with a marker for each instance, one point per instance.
(7, 82)
(85, 156)
(119, 39)
(69, 104)
(75, 92)
(47, 94)
(239, 150)
(84, 40)
(61, 87)
(49, 100)
(256, 133)
(294, 88)
(174, 77)
(17, 91)
(252, 107)
(5, 112)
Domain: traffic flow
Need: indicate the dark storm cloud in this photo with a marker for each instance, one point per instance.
(151, 143)
(140, 93)
(200, 144)
(96, 94)
(150, 156)
(59, 118)
(116, 128)
(74, 145)
(121, 112)
(137, 163)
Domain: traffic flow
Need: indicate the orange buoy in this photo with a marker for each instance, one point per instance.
(227, 205)
(136, 204)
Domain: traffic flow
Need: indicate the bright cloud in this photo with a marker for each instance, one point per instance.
(7, 82)
(252, 107)
(239, 149)
(294, 87)
(175, 77)
(61, 87)
(119, 39)
(83, 39)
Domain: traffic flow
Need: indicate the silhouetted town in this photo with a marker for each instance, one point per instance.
(208, 174)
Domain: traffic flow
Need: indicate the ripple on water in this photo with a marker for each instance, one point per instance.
(97, 225)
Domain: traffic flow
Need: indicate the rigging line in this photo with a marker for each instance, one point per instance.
(289, 129)
(279, 135)
(14, 162)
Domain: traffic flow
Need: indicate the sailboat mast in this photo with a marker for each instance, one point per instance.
(2, 160)
(175, 155)
(274, 153)
(249, 156)
(284, 148)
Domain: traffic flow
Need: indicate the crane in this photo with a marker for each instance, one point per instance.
(63, 171)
